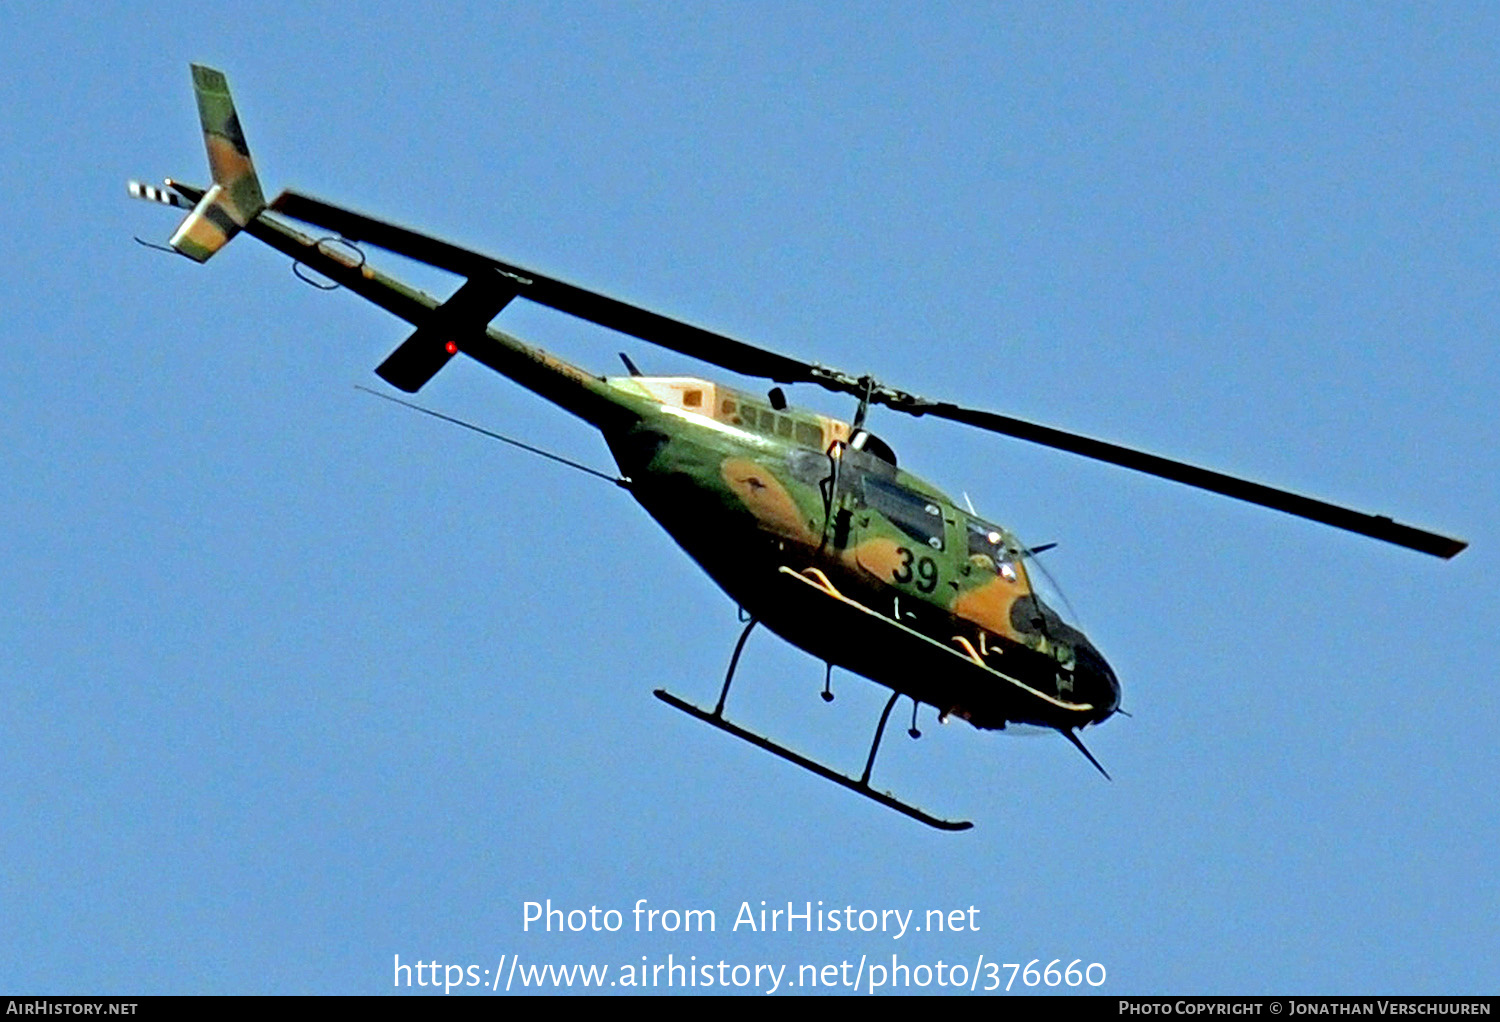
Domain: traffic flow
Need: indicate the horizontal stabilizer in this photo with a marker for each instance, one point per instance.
(432, 344)
(416, 361)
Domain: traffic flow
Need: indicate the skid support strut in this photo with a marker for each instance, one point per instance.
(875, 745)
(734, 661)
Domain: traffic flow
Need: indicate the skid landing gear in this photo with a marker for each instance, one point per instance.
(861, 786)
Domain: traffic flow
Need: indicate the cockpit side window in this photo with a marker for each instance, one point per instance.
(917, 515)
(987, 546)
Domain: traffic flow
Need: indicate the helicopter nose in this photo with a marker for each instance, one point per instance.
(1100, 685)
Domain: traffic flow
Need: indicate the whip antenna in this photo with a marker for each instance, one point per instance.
(617, 480)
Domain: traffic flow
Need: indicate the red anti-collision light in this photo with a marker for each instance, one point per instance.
(451, 348)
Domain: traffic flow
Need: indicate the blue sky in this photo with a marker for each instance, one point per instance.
(295, 681)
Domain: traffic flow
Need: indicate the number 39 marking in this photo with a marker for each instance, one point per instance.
(926, 574)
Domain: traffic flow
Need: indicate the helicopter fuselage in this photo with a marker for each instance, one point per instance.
(749, 490)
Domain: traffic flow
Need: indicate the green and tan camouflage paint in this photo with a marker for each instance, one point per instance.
(235, 198)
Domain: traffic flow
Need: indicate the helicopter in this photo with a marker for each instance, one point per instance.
(807, 522)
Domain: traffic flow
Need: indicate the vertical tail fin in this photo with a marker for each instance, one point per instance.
(235, 198)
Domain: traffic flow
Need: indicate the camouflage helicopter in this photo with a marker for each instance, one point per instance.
(807, 522)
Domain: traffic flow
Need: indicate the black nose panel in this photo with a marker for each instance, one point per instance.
(1094, 682)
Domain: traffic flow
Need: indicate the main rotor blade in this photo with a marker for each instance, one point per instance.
(749, 360)
(681, 337)
(1374, 526)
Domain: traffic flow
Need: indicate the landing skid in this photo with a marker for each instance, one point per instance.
(861, 786)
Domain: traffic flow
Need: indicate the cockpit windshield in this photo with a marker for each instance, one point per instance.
(993, 549)
(1048, 591)
(1038, 618)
